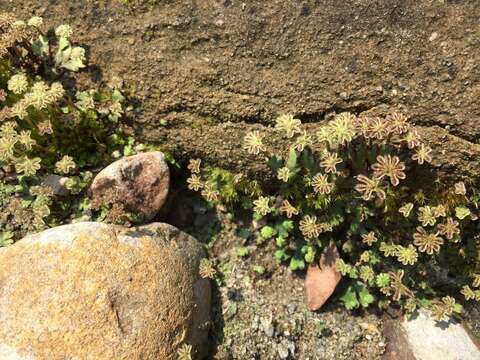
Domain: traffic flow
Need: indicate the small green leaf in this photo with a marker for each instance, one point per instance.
(232, 310)
(6, 238)
(117, 96)
(259, 269)
(68, 57)
(63, 43)
(85, 100)
(281, 255)
(243, 251)
(281, 241)
(275, 163)
(244, 233)
(424, 302)
(292, 159)
(458, 308)
(40, 46)
(309, 253)
(308, 161)
(267, 232)
(73, 65)
(297, 263)
(364, 295)
(353, 273)
(461, 212)
(349, 298)
(285, 228)
(382, 280)
(26, 203)
(355, 227)
(347, 246)
(288, 225)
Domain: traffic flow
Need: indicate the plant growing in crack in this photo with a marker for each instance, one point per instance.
(353, 182)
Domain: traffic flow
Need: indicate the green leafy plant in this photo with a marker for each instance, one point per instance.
(47, 128)
(243, 251)
(356, 295)
(260, 270)
(6, 238)
(354, 182)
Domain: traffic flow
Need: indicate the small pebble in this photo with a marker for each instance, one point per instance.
(267, 326)
(291, 308)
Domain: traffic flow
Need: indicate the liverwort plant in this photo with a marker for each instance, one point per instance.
(48, 128)
(353, 182)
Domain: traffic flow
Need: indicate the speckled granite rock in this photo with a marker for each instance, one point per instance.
(430, 340)
(423, 338)
(97, 291)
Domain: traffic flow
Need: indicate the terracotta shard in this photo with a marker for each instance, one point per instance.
(322, 278)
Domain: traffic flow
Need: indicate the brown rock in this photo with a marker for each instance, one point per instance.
(397, 344)
(322, 279)
(141, 182)
(97, 291)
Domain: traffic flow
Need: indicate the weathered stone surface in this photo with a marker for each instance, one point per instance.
(322, 279)
(141, 182)
(97, 291)
(309, 58)
(422, 338)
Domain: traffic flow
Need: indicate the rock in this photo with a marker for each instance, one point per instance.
(431, 340)
(97, 291)
(282, 350)
(291, 308)
(322, 279)
(141, 182)
(57, 184)
(286, 349)
(423, 338)
(397, 346)
(266, 324)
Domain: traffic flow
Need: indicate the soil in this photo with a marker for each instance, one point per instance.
(202, 73)
(260, 310)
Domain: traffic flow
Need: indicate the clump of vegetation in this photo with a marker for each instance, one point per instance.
(185, 352)
(353, 183)
(47, 128)
(207, 269)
